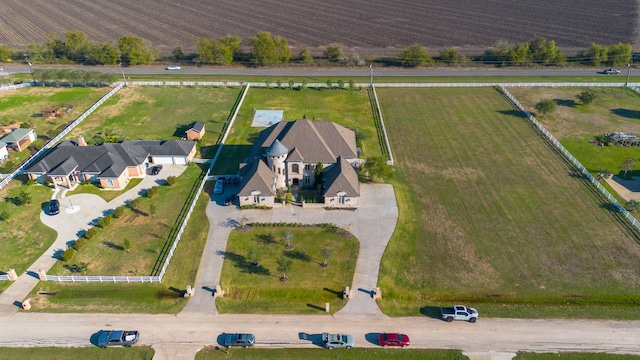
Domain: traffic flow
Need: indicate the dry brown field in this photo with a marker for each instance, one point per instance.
(365, 25)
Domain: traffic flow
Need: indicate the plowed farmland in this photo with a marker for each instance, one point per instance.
(365, 24)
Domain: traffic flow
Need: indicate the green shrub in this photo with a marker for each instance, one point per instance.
(91, 233)
(117, 212)
(31, 182)
(105, 221)
(5, 215)
(152, 192)
(133, 203)
(79, 244)
(172, 180)
(68, 254)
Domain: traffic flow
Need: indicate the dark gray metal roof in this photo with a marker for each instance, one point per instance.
(277, 149)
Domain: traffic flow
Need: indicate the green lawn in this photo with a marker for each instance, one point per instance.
(107, 195)
(88, 353)
(159, 113)
(21, 245)
(147, 227)
(135, 298)
(258, 289)
(495, 218)
(576, 126)
(25, 105)
(347, 108)
(321, 354)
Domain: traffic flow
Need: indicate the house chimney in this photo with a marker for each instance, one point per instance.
(81, 141)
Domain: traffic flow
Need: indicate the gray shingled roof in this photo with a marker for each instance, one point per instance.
(259, 178)
(314, 141)
(341, 177)
(197, 126)
(106, 160)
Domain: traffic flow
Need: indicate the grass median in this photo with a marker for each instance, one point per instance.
(320, 354)
(251, 273)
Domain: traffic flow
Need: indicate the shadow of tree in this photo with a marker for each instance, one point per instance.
(565, 102)
(266, 239)
(298, 255)
(628, 113)
(241, 263)
(113, 245)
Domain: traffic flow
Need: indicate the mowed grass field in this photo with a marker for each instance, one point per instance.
(159, 113)
(349, 108)
(577, 126)
(491, 216)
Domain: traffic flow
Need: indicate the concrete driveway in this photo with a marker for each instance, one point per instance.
(77, 214)
(373, 224)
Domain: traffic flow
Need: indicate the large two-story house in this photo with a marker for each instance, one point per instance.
(287, 153)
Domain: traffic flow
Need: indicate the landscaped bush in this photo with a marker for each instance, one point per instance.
(105, 221)
(171, 180)
(152, 192)
(117, 212)
(133, 203)
(68, 254)
(79, 244)
(91, 233)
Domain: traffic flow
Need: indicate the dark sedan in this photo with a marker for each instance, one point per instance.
(54, 207)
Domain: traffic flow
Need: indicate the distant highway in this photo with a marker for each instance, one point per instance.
(364, 71)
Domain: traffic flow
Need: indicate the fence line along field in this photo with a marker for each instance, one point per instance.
(359, 24)
(496, 216)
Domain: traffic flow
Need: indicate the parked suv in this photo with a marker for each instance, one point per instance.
(219, 187)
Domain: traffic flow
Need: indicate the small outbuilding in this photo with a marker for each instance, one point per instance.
(19, 139)
(195, 131)
(623, 139)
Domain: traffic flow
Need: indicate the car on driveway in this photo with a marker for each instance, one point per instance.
(337, 341)
(173, 67)
(611, 71)
(156, 170)
(239, 340)
(219, 187)
(393, 339)
(54, 207)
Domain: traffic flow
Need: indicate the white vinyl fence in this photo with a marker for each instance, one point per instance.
(574, 161)
(14, 87)
(107, 279)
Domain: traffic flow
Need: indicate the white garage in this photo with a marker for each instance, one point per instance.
(170, 160)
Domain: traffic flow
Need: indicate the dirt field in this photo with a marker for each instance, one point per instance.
(365, 25)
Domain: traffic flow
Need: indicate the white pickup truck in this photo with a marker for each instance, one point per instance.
(459, 312)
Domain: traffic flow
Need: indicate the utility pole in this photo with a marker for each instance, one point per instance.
(26, 58)
(626, 84)
(371, 69)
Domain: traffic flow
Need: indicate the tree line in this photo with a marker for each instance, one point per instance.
(265, 49)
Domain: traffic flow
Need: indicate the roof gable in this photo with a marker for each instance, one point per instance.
(16, 135)
(259, 178)
(341, 177)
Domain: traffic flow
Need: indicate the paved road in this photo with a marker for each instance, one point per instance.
(364, 71)
(275, 331)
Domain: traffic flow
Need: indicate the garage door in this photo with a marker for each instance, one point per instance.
(180, 160)
(163, 160)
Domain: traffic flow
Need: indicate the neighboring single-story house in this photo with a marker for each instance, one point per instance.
(4, 153)
(110, 164)
(287, 154)
(19, 138)
(195, 131)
